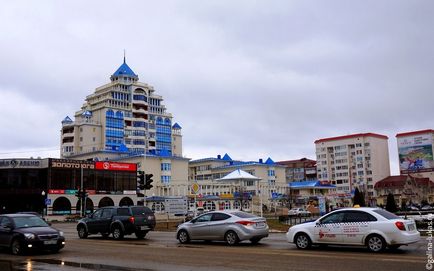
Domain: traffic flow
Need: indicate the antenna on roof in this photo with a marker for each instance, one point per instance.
(124, 55)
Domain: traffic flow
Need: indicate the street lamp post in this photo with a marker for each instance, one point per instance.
(43, 199)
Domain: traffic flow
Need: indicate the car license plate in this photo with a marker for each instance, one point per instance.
(411, 227)
(50, 242)
(260, 225)
(143, 228)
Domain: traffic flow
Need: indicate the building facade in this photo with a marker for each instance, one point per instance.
(51, 184)
(126, 121)
(406, 189)
(299, 170)
(216, 193)
(357, 160)
(415, 150)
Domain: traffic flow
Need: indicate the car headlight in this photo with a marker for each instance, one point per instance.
(29, 236)
(61, 233)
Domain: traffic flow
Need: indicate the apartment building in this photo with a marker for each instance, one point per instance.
(126, 120)
(299, 170)
(357, 160)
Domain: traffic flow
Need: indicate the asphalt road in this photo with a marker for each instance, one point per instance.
(161, 251)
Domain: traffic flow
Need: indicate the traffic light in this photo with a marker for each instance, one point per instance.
(140, 183)
(81, 194)
(148, 181)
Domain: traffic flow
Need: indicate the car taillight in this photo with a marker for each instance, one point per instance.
(245, 223)
(131, 219)
(400, 225)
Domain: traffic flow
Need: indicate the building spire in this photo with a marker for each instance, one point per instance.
(124, 55)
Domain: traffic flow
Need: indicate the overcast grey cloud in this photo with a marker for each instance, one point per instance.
(255, 79)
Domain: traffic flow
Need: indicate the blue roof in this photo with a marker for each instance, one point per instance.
(67, 120)
(124, 70)
(176, 126)
(227, 157)
(309, 184)
(87, 114)
(269, 161)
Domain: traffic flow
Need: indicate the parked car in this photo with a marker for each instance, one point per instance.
(413, 208)
(230, 226)
(118, 221)
(426, 207)
(299, 212)
(26, 232)
(374, 228)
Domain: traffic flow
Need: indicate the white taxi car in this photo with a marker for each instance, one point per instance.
(372, 227)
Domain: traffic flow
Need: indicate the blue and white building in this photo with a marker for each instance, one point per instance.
(126, 120)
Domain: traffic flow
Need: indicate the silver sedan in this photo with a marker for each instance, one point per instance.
(230, 226)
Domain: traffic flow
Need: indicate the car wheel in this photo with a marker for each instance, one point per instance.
(183, 237)
(82, 232)
(375, 243)
(255, 240)
(231, 238)
(16, 247)
(141, 234)
(117, 233)
(302, 241)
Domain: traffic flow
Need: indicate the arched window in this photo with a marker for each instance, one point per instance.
(160, 120)
(61, 206)
(109, 113)
(126, 202)
(89, 206)
(167, 121)
(119, 114)
(106, 201)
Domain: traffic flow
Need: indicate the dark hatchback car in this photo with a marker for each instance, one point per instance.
(118, 221)
(25, 233)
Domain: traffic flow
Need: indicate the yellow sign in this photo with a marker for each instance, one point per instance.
(195, 188)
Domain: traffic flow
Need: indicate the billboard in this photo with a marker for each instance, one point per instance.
(416, 153)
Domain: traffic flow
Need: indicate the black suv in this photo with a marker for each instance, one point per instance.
(118, 221)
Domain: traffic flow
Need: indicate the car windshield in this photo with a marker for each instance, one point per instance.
(243, 215)
(29, 221)
(386, 214)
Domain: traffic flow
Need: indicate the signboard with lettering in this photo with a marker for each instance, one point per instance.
(23, 163)
(116, 166)
(77, 164)
(176, 205)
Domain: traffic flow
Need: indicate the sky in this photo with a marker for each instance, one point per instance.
(254, 79)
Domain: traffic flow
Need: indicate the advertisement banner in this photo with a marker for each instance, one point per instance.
(116, 166)
(416, 153)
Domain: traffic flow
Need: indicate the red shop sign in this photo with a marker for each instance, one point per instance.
(116, 166)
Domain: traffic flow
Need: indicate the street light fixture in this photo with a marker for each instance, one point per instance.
(43, 198)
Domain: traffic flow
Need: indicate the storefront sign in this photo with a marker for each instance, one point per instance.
(116, 166)
(56, 191)
(22, 163)
(77, 164)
